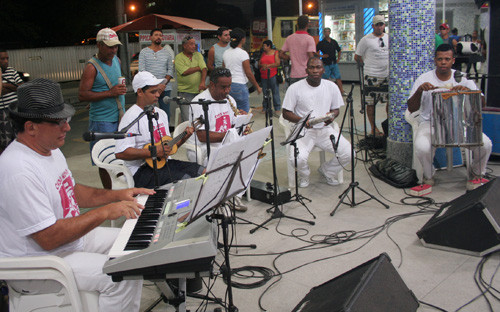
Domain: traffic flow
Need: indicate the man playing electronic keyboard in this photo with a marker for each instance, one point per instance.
(40, 204)
(421, 99)
(321, 97)
(132, 150)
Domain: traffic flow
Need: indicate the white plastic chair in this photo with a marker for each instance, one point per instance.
(103, 155)
(200, 153)
(289, 149)
(44, 268)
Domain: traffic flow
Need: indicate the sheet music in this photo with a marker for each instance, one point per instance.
(213, 190)
(242, 120)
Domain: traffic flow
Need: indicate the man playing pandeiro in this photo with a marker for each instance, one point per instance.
(320, 96)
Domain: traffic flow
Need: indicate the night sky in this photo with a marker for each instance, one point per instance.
(30, 24)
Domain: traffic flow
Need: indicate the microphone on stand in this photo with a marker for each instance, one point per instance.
(94, 136)
(179, 100)
(458, 76)
(350, 93)
(332, 138)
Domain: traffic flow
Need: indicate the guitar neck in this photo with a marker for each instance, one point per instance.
(176, 139)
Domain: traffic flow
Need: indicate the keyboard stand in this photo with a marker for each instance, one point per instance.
(168, 295)
(177, 300)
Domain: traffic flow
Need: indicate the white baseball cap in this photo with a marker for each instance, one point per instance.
(108, 36)
(378, 19)
(144, 78)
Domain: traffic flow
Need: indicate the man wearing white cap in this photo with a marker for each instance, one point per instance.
(99, 85)
(148, 90)
(373, 53)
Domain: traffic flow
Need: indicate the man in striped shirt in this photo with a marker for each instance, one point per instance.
(158, 61)
(10, 82)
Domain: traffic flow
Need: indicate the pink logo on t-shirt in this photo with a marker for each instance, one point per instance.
(67, 193)
(222, 123)
(159, 132)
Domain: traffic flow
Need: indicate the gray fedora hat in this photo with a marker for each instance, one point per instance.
(41, 99)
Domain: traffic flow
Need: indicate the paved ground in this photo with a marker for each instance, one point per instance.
(445, 279)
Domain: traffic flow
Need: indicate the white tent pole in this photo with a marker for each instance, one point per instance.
(444, 12)
(269, 20)
(300, 7)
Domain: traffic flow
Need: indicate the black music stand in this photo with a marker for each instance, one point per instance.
(228, 166)
(277, 213)
(354, 184)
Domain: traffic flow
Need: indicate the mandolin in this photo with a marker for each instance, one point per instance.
(172, 143)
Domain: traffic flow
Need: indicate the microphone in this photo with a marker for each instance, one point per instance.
(166, 99)
(94, 136)
(458, 76)
(350, 93)
(179, 100)
(332, 138)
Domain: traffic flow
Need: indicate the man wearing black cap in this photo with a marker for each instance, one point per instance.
(40, 204)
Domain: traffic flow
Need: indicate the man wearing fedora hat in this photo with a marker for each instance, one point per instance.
(131, 149)
(40, 204)
(107, 103)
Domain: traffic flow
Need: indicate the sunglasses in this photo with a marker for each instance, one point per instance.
(59, 122)
(381, 43)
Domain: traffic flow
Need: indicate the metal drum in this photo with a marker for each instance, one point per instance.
(456, 119)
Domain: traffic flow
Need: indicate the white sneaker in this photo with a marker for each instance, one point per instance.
(303, 182)
(430, 181)
(330, 181)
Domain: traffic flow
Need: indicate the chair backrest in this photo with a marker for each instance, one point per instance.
(181, 127)
(45, 268)
(103, 155)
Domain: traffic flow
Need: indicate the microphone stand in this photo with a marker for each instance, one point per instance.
(204, 103)
(354, 184)
(363, 103)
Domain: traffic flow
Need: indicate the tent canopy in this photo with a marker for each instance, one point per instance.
(152, 21)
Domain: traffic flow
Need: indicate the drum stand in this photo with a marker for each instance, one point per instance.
(364, 90)
(354, 184)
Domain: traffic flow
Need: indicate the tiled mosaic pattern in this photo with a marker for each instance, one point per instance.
(411, 54)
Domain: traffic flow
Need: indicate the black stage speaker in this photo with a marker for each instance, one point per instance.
(469, 224)
(264, 192)
(374, 286)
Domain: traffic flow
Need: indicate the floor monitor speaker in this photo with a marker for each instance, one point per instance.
(373, 286)
(468, 224)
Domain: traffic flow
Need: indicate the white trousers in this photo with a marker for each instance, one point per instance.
(425, 152)
(87, 269)
(321, 138)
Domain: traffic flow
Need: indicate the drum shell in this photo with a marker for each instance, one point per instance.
(456, 120)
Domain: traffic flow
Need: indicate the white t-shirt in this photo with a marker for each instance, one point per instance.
(220, 116)
(375, 57)
(426, 101)
(141, 127)
(233, 60)
(35, 192)
(301, 98)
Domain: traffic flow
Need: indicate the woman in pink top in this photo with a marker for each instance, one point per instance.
(268, 64)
